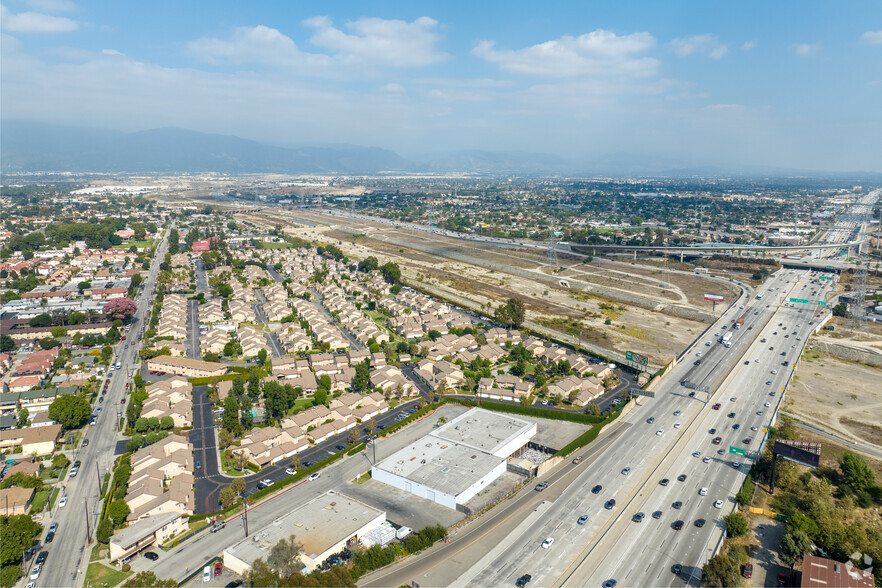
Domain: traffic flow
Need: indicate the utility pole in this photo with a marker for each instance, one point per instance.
(100, 484)
(88, 528)
(246, 516)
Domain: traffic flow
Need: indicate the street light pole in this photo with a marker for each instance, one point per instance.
(100, 484)
(88, 528)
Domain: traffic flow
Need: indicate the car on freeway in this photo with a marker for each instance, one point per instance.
(151, 556)
(677, 425)
(753, 428)
(541, 486)
(626, 471)
(696, 454)
(717, 440)
(703, 491)
(677, 569)
(768, 382)
(681, 478)
(582, 519)
(596, 489)
(716, 406)
(736, 465)
(638, 517)
(677, 413)
(700, 523)
(712, 432)
(677, 505)
(660, 432)
(721, 451)
(549, 541)
(657, 514)
(718, 504)
(650, 420)
(610, 504)
(747, 440)
(610, 584)
(731, 415)
(678, 525)
(314, 476)
(664, 482)
(577, 460)
(767, 405)
(706, 459)
(523, 580)
(774, 372)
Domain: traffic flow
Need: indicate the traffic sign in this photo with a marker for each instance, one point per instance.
(822, 303)
(737, 450)
(803, 300)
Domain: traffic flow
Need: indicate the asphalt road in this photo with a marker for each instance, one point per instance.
(609, 544)
(68, 553)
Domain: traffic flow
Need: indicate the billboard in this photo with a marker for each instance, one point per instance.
(636, 357)
(802, 452)
(641, 392)
(714, 297)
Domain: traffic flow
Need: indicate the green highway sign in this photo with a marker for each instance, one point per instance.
(803, 300)
(737, 451)
(825, 278)
(822, 303)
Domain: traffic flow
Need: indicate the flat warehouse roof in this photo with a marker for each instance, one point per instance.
(318, 525)
(484, 430)
(439, 464)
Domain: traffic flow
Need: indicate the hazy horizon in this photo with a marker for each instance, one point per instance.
(726, 85)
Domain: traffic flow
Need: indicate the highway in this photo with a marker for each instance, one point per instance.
(608, 546)
(68, 554)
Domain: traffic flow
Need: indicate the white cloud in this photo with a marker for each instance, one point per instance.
(52, 5)
(393, 88)
(260, 44)
(748, 45)
(34, 22)
(872, 37)
(377, 41)
(806, 49)
(706, 44)
(596, 53)
(110, 52)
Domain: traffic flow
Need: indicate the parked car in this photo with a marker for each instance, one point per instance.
(151, 556)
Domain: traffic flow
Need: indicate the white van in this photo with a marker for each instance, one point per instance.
(206, 574)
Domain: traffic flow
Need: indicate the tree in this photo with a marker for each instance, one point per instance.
(368, 264)
(70, 410)
(118, 511)
(148, 580)
(295, 461)
(370, 425)
(230, 420)
(7, 343)
(84, 285)
(58, 332)
(23, 415)
(48, 343)
(362, 379)
(284, 556)
(59, 461)
(516, 311)
(227, 497)
(16, 534)
(41, 320)
(353, 436)
(141, 425)
(261, 575)
(856, 472)
(841, 309)
(120, 308)
(391, 272)
(320, 396)
(76, 318)
(593, 409)
(246, 414)
(736, 524)
(104, 531)
(261, 355)
(720, 571)
(238, 486)
(166, 423)
(794, 545)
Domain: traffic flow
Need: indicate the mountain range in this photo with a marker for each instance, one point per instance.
(27, 146)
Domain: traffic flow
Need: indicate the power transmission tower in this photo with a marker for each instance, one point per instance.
(858, 322)
(551, 254)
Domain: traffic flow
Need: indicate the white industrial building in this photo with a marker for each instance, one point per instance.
(323, 526)
(453, 463)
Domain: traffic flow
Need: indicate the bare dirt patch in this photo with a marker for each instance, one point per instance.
(841, 395)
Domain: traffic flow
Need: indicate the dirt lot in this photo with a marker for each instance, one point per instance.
(842, 395)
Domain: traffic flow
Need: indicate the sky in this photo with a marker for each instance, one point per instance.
(789, 84)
